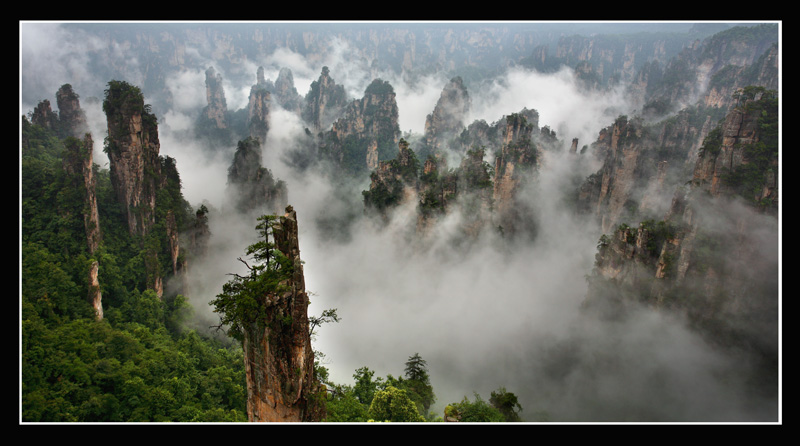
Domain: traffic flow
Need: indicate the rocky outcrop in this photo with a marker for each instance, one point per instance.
(642, 165)
(217, 108)
(251, 186)
(285, 93)
(713, 257)
(393, 181)
(199, 234)
(608, 192)
(514, 165)
(258, 110)
(448, 116)
(324, 102)
(738, 157)
(70, 115)
(487, 193)
(43, 115)
(279, 360)
(133, 151)
(139, 175)
(368, 126)
(710, 71)
(78, 165)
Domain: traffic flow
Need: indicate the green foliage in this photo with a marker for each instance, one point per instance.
(242, 302)
(88, 371)
(365, 388)
(346, 408)
(417, 383)
(712, 143)
(478, 411)
(137, 364)
(657, 233)
(393, 404)
(379, 87)
(761, 157)
(507, 403)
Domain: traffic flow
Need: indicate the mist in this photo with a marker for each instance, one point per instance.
(483, 316)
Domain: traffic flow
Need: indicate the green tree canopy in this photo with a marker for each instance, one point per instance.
(507, 403)
(393, 404)
(240, 303)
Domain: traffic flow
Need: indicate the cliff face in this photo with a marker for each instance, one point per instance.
(367, 132)
(285, 93)
(133, 150)
(324, 102)
(78, 164)
(279, 360)
(607, 192)
(514, 165)
(448, 116)
(217, 107)
(713, 257)
(258, 109)
(393, 182)
(70, 114)
(710, 71)
(44, 116)
(737, 158)
(642, 165)
(138, 173)
(251, 185)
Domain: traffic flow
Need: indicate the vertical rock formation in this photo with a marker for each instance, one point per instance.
(279, 360)
(95, 297)
(285, 93)
(133, 149)
(447, 119)
(621, 146)
(641, 167)
(217, 108)
(70, 115)
(324, 102)
(369, 126)
(199, 233)
(475, 191)
(251, 185)
(43, 115)
(713, 257)
(138, 175)
(258, 109)
(735, 153)
(393, 181)
(514, 165)
(78, 164)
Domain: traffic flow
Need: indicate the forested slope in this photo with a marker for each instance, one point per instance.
(137, 363)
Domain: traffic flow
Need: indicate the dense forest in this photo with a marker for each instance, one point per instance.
(192, 241)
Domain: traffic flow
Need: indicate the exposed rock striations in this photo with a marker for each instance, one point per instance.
(138, 175)
(217, 108)
(78, 165)
(368, 131)
(279, 360)
(324, 102)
